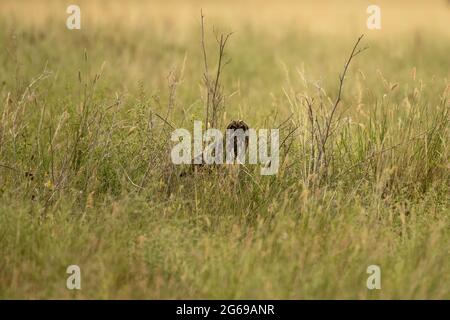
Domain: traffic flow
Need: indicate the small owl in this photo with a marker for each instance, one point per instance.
(238, 125)
(233, 125)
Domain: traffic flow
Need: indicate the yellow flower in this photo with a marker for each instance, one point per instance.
(49, 184)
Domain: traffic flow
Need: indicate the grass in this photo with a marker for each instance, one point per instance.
(86, 177)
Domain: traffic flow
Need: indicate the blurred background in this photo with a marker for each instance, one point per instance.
(321, 16)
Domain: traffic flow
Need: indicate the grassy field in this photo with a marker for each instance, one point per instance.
(86, 176)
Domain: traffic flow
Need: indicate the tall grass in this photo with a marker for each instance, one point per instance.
(86, 177)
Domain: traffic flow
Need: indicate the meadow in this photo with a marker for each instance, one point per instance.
(86, 177)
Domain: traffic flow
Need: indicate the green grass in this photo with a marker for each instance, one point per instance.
(86, 178)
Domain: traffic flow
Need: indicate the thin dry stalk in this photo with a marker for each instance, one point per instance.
(214, 91)
(322, 123)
